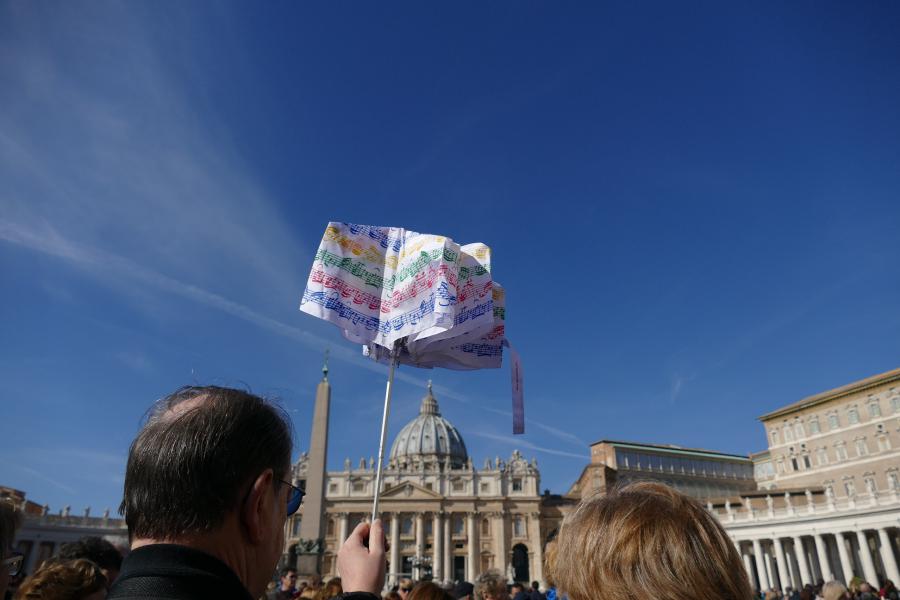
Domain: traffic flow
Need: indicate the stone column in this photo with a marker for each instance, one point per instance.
(537, 573)
(343, 526)
(748, 563)
(800, 555)
(395, 547)
(827, 573)
(437, 566)
(500, 535)
(845, 558)
(472, 547)
(865, 556)
(420, 543)
(887, 556)
(448, 547)
(760, 565)
(783, 578)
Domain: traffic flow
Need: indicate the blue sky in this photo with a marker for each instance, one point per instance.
(694, 209)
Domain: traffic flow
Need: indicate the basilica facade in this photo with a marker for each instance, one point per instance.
(446, 518)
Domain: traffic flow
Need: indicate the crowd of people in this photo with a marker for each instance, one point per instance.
(206, 499)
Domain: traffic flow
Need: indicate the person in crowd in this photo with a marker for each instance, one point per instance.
(518, 592)
(463, 591)
(391, 595)
(404, 588)
(428, 590)
(867, 592)
(646, 540)
(888, 591)
(287, 586)
(835, 590)
(331, 589)
(77, 579)
(491, 585)
(97, 550)
(535, 592)
(10, 561)
(206, 498)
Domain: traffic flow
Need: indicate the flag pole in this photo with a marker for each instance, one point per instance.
(384, 419)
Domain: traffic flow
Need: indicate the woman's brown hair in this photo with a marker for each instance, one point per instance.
(645, 540)
(428, 590)
(63, 580)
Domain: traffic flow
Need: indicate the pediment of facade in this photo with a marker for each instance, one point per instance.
(410, 491)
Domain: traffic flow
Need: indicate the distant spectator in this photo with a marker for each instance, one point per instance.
(835, 590)
(330, 590)
(97, 550)
(77, 579)
(405, 587)
(518, 592)
(286, 588)
(535, 592)
(646, 540)
(888, 591)
(10, 562)
(463, 591)
(491, 585)
(428, 590)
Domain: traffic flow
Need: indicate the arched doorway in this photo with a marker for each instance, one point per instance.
(520, 563)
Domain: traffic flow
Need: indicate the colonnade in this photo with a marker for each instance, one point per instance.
(778, 561)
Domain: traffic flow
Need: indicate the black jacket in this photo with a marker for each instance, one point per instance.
(172, 572)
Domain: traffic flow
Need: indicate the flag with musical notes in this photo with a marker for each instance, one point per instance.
(381, 285)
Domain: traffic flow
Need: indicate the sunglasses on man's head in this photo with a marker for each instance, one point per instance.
(295, 497)
(13, 563)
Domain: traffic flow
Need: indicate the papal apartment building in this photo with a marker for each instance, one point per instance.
(828, 503)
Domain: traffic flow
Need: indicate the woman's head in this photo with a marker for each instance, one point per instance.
(491, 585)
(428, 590)
(834, 590)
(77, 579)
(646, 540)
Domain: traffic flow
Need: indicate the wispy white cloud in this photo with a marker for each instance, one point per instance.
(516, 442)
(40, 476)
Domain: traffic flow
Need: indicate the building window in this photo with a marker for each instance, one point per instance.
(822, 456)
(853, 415)
(798, 430)
(774, 437)
(458, 525)
(874, 409)
(850, 489)
(485, 487)
(485, 527)
(833, 421)
(806, 461)
(406, 526)
(329, 527)
(814, 426)
(359, 487)
(518, 526)
(788, 435)
(429, 485)
(871, 488)
(458, 486)
(295, 527)
(893, 481)
(841, 451)
(861, 448)
(895, 403)
(517, 485)
(332, 488)
(884, 443)
(794, 463)
(780, 465)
